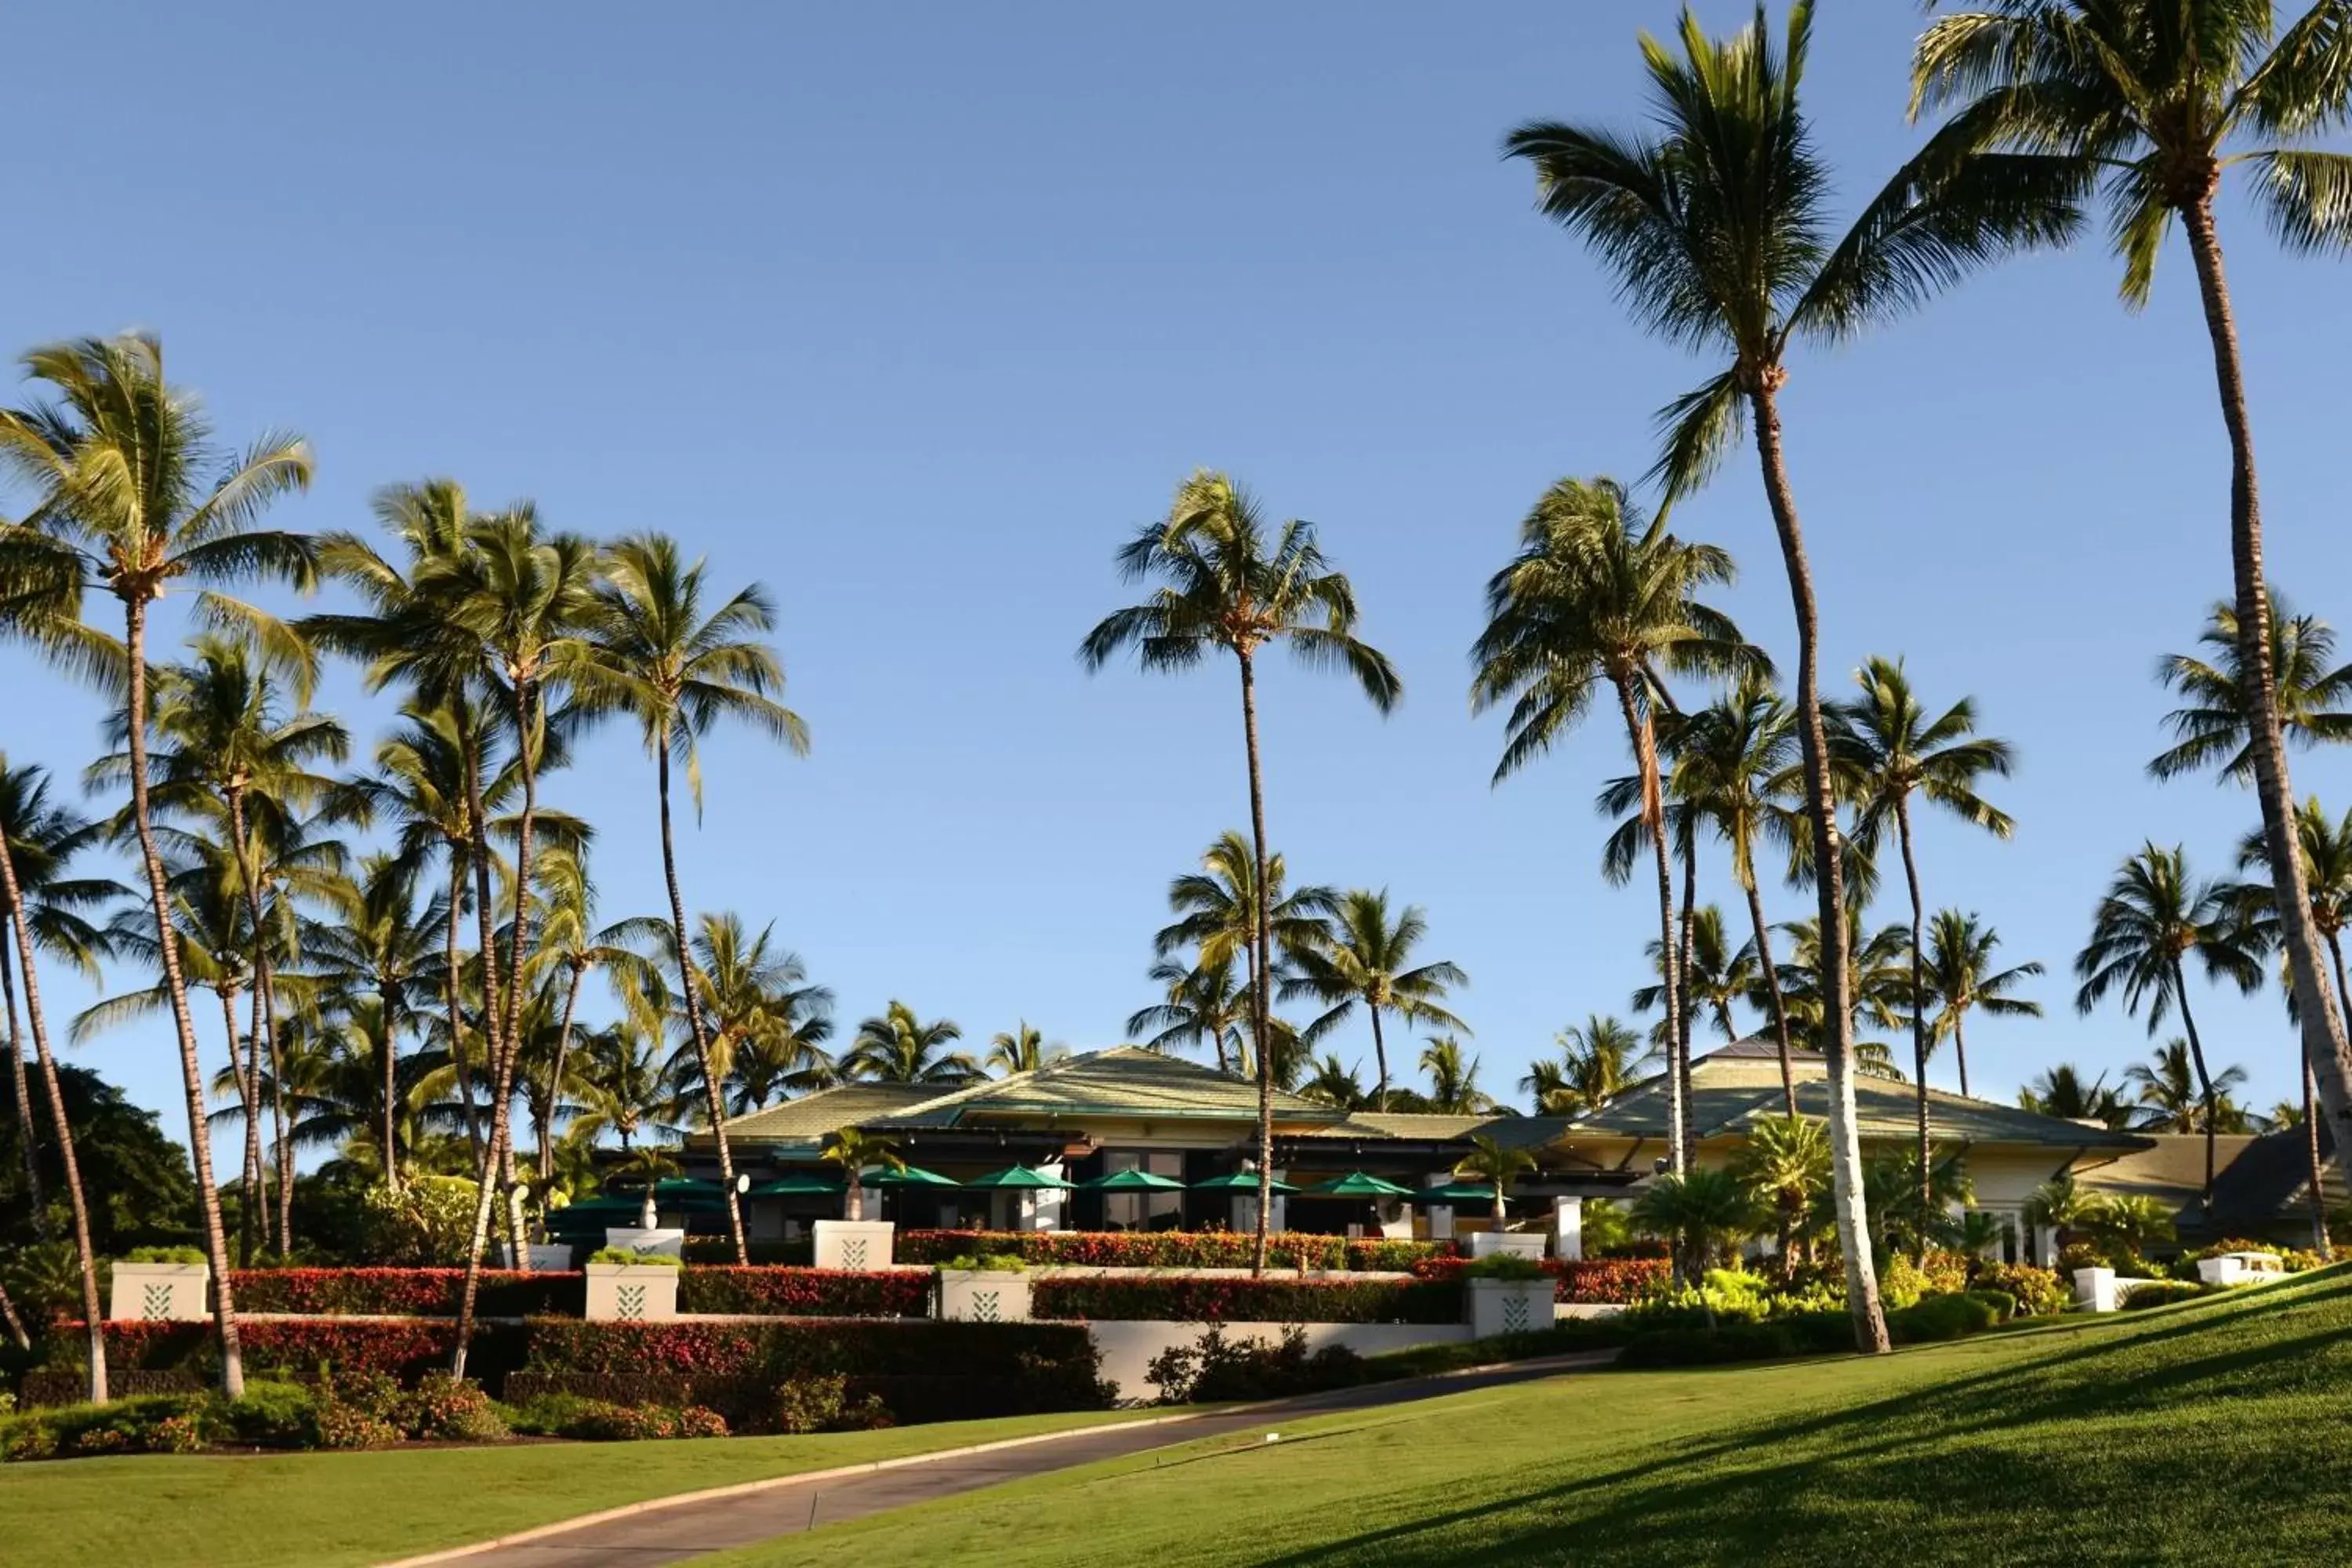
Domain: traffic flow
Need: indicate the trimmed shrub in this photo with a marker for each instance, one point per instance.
(1591, 1282)
(1504, 1266)
(273, 1414)
(1213, 1300)
(823, 1405)
(442, 1409)
(2003, 1304)
(630, 1258)
(805, 1292)
(301, 1348)
(348, 1426)
(403, 1292)
(2038, 1292)
(162, 1424)
(1933, 1318)
(1168, 1249)
(184, 1256)
(719, 1249)
(2162, 1293)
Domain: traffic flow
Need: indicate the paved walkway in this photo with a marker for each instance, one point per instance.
(692, 1527)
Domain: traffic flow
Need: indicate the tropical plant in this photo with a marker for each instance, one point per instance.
(1909, 1214)
(897, 1046)
(1494, 1164)
(2153, 916)
(1601, 596)
(1021, 1049)
(118, 463)
(1216, 913)
(2173, 1094)
(1599, 1059)
(2312, 694)
(1715, 976)
(1453, 1079)
(2133, 1221)
(1959, 978)
(854, 1149)
(1367, 958)
(1205, 1003)
(1335, 1083)
(1703, 1213)
(1223, 586)
(1714, 222)
(1785, 1161)
(2061, 1091)
(2150, 101)
(2060, 1204)
(1878, 987)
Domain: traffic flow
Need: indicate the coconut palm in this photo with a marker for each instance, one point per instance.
(661, 660)
(118, 462)
(751, 995)
(1785, 1163)
(2155, 915)
(39, 906)
(1959, 978)
(2059, 1204)
(1601, 596)
(1496, 1165)
(1715, 226)
(1453, 1079)
(1885, 748)
(1878, 987)
(1335, 1083)
(625, 1082)
(1225, 585)
(2064, 1092)
(2174, 1098)
(855, 1151)
(1701, 1213)
(570, 946)
(2132, 1220)
(897, 1046)
(1367, 958)
(2149, 101)
(2312, 693)
(384, 940)
(1216, 910)
(1203, 1004)
(1601, 1059)
(1714, 977)
(1021, 1049)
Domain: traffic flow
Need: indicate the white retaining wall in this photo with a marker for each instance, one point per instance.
(1129, 1347)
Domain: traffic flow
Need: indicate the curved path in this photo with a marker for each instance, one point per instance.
(658, 1532)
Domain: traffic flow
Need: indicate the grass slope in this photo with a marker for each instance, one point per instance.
(2211, 1431)
(302, 1510)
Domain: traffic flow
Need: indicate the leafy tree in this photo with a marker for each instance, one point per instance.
(2062, 1092)
(1602, 597)
(2153, 916)
(1496, 1165)
(142, 1193)
(1223, 586)
(897, 1047)
(1714, 222)
(854, 1151)
(1959, 978)
(1367, 958)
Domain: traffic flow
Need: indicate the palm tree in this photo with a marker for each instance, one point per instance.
(1216, 910)
(1369, 959)
(1453, 1081)
(897, 1047)
(1494, 1164)
(1878, 987)
(1785, 1161)
(2058, 1205)
(2175, 1098)
(1701, 1211)
(659, 659)
(1205, 1003)
(753, 995)
(2312, 692)
(381, 944)
(2062, 1092)
(1223, 586)
(1335, 1083)
(854, 1151)
(38, 906)
(570, 946)
(625, 1082)
(1959, 978)
(1884, 747)
(1733, 761)
(1715, 975)
(118, 464)
(1021, 1049)
(1714, 224)
(2130, 1220)
(1600, 1060)
(2153, 917)
(1601, 596)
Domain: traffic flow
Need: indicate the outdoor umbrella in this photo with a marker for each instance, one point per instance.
(670, 1188)
(1020, 1177)
(1240, 1182)
(1356, 1184)
(592, 1214)
(904, 1176)
(798, 1185)
(1456, 1193)
(1133, 1182)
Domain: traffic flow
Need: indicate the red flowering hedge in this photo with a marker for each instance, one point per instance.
(1165, 1248)
(1619, 1281)
(404, 1292)
(401, 1348)
(805, 1292)
(1182, 1299)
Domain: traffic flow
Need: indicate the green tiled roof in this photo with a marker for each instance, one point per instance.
(1416, 1126)
(810, 1118)
(1124, 1081)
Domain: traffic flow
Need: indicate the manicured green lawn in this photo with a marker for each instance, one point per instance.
(308, 1509)
(2213, 1432)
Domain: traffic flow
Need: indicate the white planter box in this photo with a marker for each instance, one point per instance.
(2095, 1289)
(1527, 1243)
(857, 1245)
(2239, 1268)
(632, 1292)
(159, 1292)
(972, 1295)
(549, 1257)
(1508, 1306)
(663, 1242)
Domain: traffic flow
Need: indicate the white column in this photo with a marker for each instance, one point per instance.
(1568, 1227)
(1441, 1222)
(2045, 1244)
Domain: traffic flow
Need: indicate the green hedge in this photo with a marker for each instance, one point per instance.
(761, 1291)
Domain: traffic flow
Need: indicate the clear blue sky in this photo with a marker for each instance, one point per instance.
(914, 314)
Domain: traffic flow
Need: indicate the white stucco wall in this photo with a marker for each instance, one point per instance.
(1129, 1348)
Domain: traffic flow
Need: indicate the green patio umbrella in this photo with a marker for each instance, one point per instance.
(1136, 1181)
(1456, 1193)
(670, 1188)
(904, 1176)
(1356, 1184)
(1020, 1178)
(593, 1215)
(1240, 1182)
(799, 1184)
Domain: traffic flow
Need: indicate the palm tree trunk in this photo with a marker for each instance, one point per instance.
(93, 1314)
(1645, 759)
(2324, 1042)
(1961, 1047)
(2204, 1080)
(555, 1081)
(1829, 877)
(1262, 967)
(501, 1092)
(1683, 986)
(191, 1072)
(254, 1212)
(16, 1334)
(283, 1124)
(1772, 989)
(712, 1104)
(454, 996)
(1381, 1055)
(524, 698)
(22, 1085)
(1919, 1020)
(247, 1213)
(264, 993)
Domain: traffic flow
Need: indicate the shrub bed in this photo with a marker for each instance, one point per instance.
(2038, 1293)
(759, 1291)
(1590, 1281)
(362, 1411)
(404, 1292)
(1166, 1249)
(719, 1249)
(183, 1356)
(1195, 1298)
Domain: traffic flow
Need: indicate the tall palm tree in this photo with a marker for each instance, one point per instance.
(1335, 1083)
(39, 907)
(661, 660)
(570, 947)
(119, 463)
(1203, 1004)
(2149, 101)
(2062, 1092)
(1216, 913)
(2176, 1096)
(1878, 987)
(1622, 854)
(1225, 585)
(1959, 978)
(1021, 1049)
(1601, 596)
(2314, 694)
(897, 1046)
(1734, 761)
(2155, 915)
(626, 1082)
(1453, 1079)
(1884, 748)
(1715, 226)
(1599, 1059)
(1369, 959)
(753, 995)
(1716, 975)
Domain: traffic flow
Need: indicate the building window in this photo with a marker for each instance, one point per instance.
(1144, 1211)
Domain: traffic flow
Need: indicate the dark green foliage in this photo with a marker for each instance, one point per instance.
(1933, 1318)
(1216, 1369)
(825, 1404)
(140, 1189)
(2163, 1293)
(2003, 1304)
(274, 1415)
